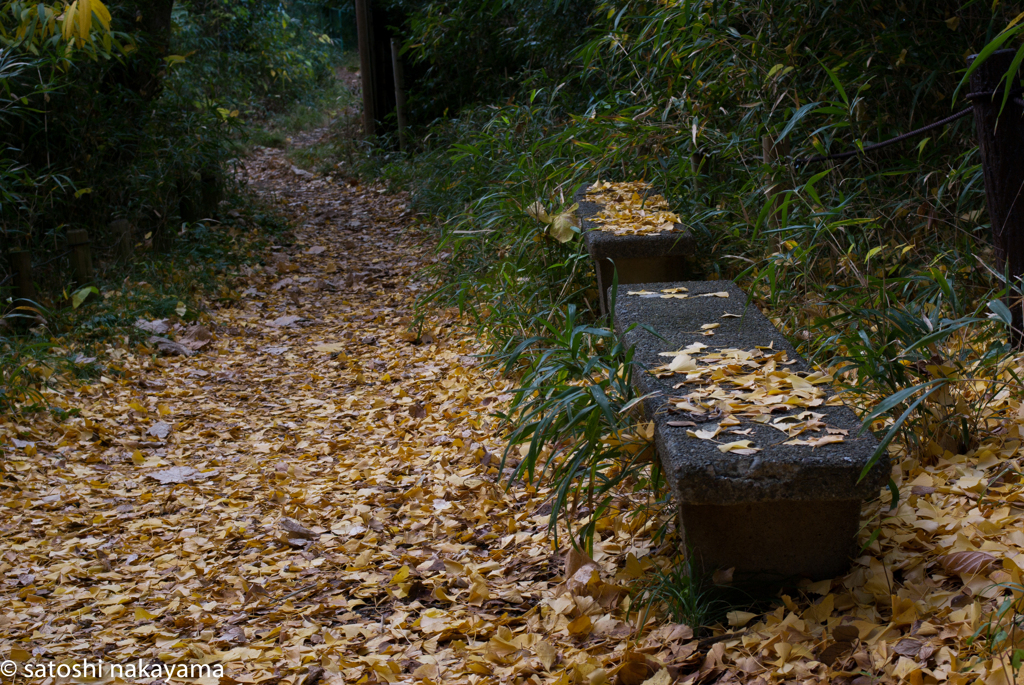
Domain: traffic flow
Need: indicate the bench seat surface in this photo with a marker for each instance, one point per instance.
(606, 245)
(696, 470)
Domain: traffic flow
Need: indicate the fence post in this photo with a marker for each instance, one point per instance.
(1001, 141)
(366, 67)
(396, 67)
(81, 256)
(123, 238)
(21, 266)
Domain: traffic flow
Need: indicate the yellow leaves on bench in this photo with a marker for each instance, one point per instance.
(678, 294)
(627, 211)
(753, 384)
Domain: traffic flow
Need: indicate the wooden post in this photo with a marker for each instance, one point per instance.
(210, 192)
(188, 204)
(81, 256)
(1001, 141)
(365, 32)
(396, 66)
(123, 238)
(21, 266)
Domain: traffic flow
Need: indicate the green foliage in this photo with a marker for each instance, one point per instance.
(1000, 636)
(473, 51)
(938, 363)
(254, 55)
(688, 594)
(572, 414)
(85, 145)
(19, 385)
(89, 141)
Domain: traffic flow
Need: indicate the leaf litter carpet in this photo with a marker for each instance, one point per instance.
(312, 495)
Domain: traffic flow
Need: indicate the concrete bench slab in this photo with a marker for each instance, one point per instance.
(648, 258)
(783, 511)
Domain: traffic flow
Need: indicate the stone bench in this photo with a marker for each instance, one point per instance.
(782, 512)
(650, 258)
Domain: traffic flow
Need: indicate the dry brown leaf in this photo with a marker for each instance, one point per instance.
(968, 563)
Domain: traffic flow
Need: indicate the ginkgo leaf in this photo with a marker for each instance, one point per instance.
(969, 563)
(707, 434)
(739, 447)
(537, 211)
(561, 228)
(332, 347)
(738, 619)
(82, 294)
(816, 442)
(682, 364)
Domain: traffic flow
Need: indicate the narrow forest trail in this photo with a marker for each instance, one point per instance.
(312, 489)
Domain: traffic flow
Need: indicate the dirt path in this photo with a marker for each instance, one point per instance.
(312, 494)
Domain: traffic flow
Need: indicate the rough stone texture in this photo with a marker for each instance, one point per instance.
(786, 510)
(668, 256)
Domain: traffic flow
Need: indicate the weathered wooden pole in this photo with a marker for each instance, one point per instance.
(21, 266)
(364, 30)
(81, 256)
(210, 192)
(123, 238)
(396, 67)
(1001, 141)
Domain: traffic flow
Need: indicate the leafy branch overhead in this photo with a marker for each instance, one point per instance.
(82, 25)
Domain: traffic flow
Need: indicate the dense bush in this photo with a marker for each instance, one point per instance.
(137, 122)
(480, 51)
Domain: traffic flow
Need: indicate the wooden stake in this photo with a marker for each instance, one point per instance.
(81, 256)
(210, 192)
(21, 265)
(1001, 141)
(364, 30)
(123, 238)
(396, 67)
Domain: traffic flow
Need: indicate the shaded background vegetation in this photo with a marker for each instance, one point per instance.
(145, 132)
(141, 121)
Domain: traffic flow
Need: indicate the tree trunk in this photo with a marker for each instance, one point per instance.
(153, 20)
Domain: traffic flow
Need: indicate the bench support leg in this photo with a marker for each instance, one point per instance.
(774, 541)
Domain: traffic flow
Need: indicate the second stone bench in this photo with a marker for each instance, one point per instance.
(664, 255)
(763, 461)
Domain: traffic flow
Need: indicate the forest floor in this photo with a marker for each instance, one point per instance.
(304, 490)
